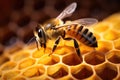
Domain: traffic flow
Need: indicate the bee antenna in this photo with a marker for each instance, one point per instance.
(31, 40)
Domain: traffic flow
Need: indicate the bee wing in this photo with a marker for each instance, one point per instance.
(86, 21)
(64, 25)
(68, 11)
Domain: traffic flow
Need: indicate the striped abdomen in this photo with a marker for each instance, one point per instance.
(82, 34)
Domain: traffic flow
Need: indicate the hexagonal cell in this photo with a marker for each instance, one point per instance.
(85, 49)
(49, 60)
(117, 43)
(3, 59)
(98, 37)
(1, 49)
(62, 50)
(14, 48)
(106, 71)
(26, 63)
(94, 58)
(19, 78)
(71, 59)
(94, 77)
(20, 55)
(34, 71)
(31, 45)
(9, 75)
(111, 35)
(8, 66)
(39, 53)
(68, 77)
(57, 71)
(104, 46)
(38, 5)
(113, 56)
(118, 78)
(113, 18)
(23, 20)
(42, 77)
(81, 72)
(101, 27)
(116, 26)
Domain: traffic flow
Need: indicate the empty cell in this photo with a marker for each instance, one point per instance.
(3, 59)
(95, 58)
(113, 56)
(23, 20)
(71, 59)
(9, 38)
(39, 4)
(57, 71)
(94, 77)
(66, 78)
(106, 71)
(18, 5)
(17, 47)
(81, 72)
(118, 78)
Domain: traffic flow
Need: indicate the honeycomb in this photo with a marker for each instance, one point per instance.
(21, 61)
(26, 62)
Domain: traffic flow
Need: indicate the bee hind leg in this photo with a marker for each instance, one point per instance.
(76, 45)
(55, 44)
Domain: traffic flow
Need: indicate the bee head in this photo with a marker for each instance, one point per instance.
(40, 35)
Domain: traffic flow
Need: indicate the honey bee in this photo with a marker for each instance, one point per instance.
(57, 29)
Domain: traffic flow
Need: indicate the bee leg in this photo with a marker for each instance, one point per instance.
(76, 46)
(55, 45)
(44, 47)
(37, 43)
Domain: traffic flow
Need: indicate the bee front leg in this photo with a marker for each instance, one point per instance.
(37, 43)
(55, 44)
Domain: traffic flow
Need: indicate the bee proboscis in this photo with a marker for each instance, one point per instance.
(57, 29)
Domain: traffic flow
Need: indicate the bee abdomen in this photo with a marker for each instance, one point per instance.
(82, 34)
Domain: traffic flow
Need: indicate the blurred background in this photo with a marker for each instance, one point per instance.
(19, 17)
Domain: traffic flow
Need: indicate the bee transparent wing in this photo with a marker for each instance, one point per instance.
(86, 21)
(68, 11)
(64, 25)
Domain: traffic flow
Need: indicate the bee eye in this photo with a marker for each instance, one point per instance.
(40, 32)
